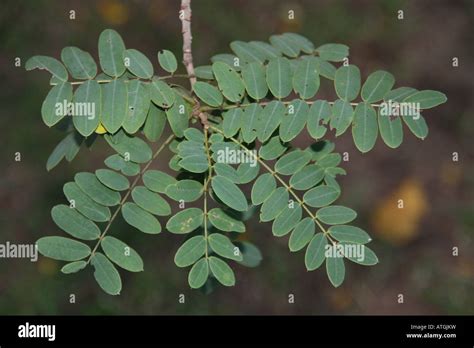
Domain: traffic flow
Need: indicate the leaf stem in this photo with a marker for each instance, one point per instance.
(127, 194)
(166, 77)
(286, 102)
(206, 187)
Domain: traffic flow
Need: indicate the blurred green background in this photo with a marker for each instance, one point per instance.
(414, 244)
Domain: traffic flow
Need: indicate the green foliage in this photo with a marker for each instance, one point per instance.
(252, 104)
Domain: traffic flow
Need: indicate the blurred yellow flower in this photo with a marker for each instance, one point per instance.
(113, 11)
(397, 217)
(100, 129)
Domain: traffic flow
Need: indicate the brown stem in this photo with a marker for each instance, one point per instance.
(185, 16)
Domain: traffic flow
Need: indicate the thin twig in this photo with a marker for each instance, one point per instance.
(166, 77)
(185, 16)
(263, 103)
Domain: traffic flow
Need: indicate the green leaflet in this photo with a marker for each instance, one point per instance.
(155, 123)
(285, 45)
(138, 64)
(73, 267)
(228, 59)
(227, 171)
(106, 274)
(89, 95)
(114, 105)
(91, 186)
(293, 161)
(301, 42)
(190, 251)
(161, 94)
(321, 196)
(333, 52)
(118, 163)
(66, 148)
(378, 84)
(194, 134)
(195, 163)
(274, 204)
(85, 205)
(167, 61)
(336, 270)
(330, 160)
(178, 116)
(223, 246)
(307, 177)
(252, 257)
(335, 215)
(246, 53)
(80, 63)
(302, 234)
(140, 219)
(391, 130)
(321, 149)
(50, 64)
(417, 125)
(131, 148)
(350, 234)
(364, 127)
(272, 149)
(112, 179)
(198, 274)
(253, 75)
(325, 68)
(208, 93)
(270, 119)
(287, 219)
(186, 190)
(229, 193)
(57, 96)
(250, 121)
(366, 258)
(185, 221)
(279, 77)
(111, 49)
(222, 271)
(138, 106)
(229, 81)
(224, 222)
(64, 249)
(427, 99)
(306, 79)
(204, 72)
(315, 253)
(267, 50)
(347, 82)
(294, 121)
(232, 122)
(319, 114)
(247, 172)
(72, 222)
(123, 255)
(150, 201)
(399, 94)
(342, 115)
(263, 188)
